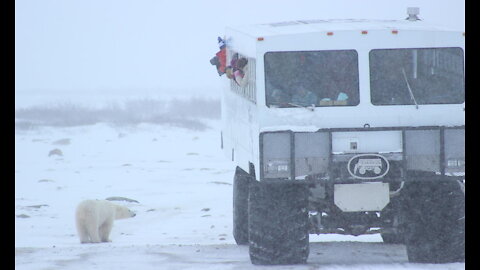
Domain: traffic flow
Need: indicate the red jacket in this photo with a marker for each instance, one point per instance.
(222, 58)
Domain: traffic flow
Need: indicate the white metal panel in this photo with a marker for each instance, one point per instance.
(296, 27)
(361, 197)
(240, 129)
(299, 119)
(367, 142)
(241, 42)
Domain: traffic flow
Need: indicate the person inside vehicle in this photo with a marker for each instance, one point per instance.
(276, 96)
(240, 72)
(304, 97)
(220, 58)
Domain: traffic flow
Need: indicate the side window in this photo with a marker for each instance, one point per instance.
(241, 72)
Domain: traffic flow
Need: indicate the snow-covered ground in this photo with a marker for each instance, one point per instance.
(124, 90)
(172, 166)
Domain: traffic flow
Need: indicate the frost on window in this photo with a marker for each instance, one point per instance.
(417, 76)
(311, 78)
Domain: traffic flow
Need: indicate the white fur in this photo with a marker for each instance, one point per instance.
(94, 219)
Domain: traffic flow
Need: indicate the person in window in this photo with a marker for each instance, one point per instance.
(304, 97)
(240, 72)
(229, 72)
(335, 97)
(338, 87)
(276, 96)
(342, 99)
(220, 58)
(341, 94)
(279, 98)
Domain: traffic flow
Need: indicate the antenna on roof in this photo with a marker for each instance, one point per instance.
(412, 14)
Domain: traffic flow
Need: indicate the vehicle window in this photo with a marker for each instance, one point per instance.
(244, 85)
(417, 76)
(306, 78)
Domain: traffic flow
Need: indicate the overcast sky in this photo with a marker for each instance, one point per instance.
(72, 45)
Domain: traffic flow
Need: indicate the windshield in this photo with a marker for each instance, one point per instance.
(417, 76)
(311, 78)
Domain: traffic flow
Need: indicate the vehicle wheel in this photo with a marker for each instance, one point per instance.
(240, 206)
(392, 238)
(391, 213)
(278, 223)
(434, 222)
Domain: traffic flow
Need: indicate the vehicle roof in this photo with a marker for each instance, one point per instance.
(312, 26)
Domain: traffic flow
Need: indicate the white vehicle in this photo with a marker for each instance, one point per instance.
(320, 96)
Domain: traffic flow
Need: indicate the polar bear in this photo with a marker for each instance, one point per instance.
(94, 219)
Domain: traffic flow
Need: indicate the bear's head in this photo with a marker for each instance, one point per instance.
(122, 212)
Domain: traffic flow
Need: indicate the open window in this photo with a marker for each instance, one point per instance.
(247, 88)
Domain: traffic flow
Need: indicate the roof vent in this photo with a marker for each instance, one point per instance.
(412, 13)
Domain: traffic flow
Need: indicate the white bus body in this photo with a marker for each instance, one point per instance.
(350, 127)
(245, 113)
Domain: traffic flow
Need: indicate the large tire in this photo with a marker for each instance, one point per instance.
(434, 225)
(392, 238)
(278, 223)
(240, 206)
(391, 212)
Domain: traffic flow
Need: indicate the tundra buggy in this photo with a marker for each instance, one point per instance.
(349, 127)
